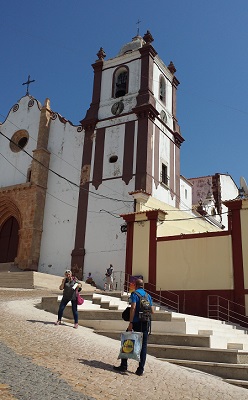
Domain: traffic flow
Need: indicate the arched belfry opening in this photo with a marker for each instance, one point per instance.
(9, 240)
(121, 82)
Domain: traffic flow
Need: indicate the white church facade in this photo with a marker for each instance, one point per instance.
(65, 187)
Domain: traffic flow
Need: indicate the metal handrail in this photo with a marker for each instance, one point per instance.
(121, 282)
(227, 310)
(170, 302)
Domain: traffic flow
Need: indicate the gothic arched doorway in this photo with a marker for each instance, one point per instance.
(9, 240)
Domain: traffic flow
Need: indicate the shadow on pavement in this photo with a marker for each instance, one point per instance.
(96, 364)
(34, 321)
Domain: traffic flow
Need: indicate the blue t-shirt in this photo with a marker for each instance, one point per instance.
(135, 299)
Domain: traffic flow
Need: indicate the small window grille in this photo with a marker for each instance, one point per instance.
(162, 89)
(164, 174)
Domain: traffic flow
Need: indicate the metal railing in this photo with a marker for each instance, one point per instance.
(169, 300)
(227, 310)
(163, 298)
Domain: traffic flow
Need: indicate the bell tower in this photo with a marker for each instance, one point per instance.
(132, 143)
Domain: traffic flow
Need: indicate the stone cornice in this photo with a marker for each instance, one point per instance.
(21, 186)
(146, 111)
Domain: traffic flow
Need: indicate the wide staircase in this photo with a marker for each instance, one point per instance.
(208, 345)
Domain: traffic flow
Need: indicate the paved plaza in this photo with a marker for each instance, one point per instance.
(39, 360)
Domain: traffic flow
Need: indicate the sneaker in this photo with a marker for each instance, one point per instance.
(75, 326)
(139, 372)
(57, 323)
(120, 368)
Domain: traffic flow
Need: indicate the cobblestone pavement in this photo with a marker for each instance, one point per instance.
(79, 360)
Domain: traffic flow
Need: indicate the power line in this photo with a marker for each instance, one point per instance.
(64, 178)
(112, 213)
(46, 191)
(60, 158)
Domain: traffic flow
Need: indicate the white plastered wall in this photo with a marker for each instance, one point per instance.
(229, 191)
(105, 243)
(60, 216)
(16, 164)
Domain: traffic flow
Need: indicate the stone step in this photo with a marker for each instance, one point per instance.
(208, 323)
(237, 382)
(228, 371)
(4, 267)
(166, 338)
(108, 306)
(238, 344)
(161, 323)
(210, 326)
(24, 280)
(198, 354)
(191, 340)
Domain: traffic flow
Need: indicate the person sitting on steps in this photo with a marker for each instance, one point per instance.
(90, 280)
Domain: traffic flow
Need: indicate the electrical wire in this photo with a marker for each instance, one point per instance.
(62, 159)
(112, 213)
(64, 178)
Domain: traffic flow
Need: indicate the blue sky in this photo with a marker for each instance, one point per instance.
(56, 41)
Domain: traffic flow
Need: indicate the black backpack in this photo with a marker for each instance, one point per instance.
(126, 314)
(145, 308)
(109, 271)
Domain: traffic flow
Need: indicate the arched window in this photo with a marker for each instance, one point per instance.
(162, 89)
(120, 82)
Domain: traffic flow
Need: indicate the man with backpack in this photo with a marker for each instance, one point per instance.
(109, 279)
(140, 320)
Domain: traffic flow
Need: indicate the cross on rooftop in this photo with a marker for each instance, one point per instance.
(137, 23)
(28, 83)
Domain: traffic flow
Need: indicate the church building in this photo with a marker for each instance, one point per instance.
(63, 188)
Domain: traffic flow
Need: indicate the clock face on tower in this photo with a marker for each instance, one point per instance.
(117, 108)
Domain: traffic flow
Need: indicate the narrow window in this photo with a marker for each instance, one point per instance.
(185, 194)
(29, 171)
(164, 176)
(120, 82)
(162, 89)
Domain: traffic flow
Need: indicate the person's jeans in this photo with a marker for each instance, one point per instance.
(140, 327)
(62, 306)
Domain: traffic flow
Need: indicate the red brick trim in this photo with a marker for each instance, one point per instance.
(237, 251)
(98, 160)
(128, 152)
(152, 275)
(192, 236)
(78, 252)
(130, 219)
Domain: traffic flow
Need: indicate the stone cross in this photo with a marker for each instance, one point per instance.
(28, 83)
